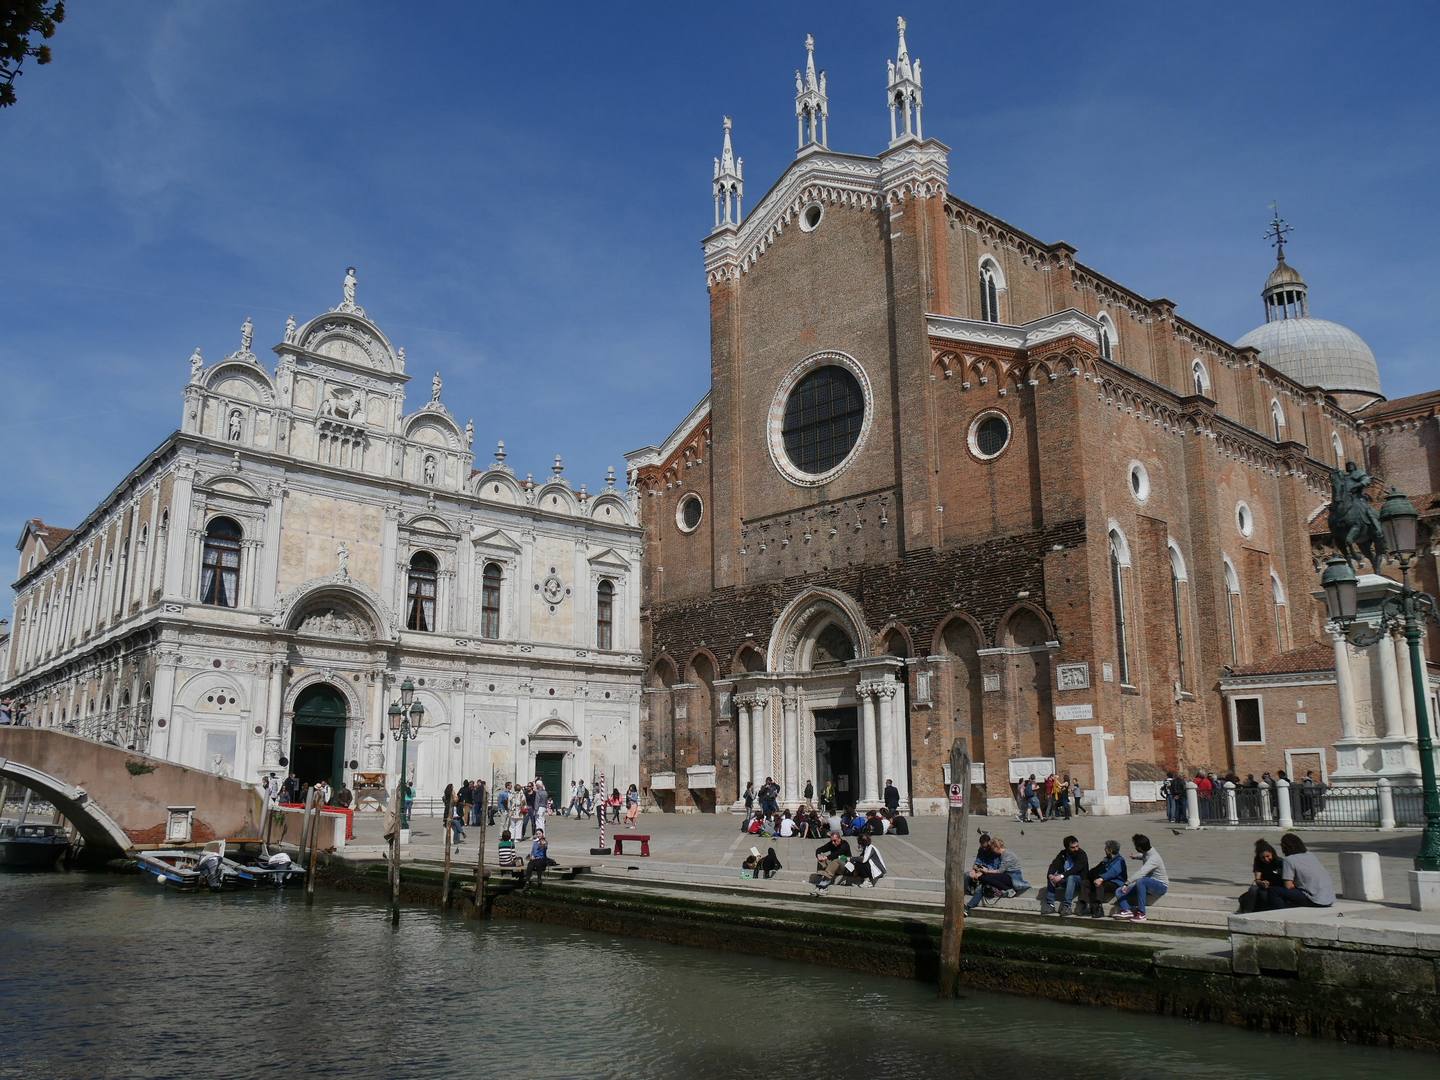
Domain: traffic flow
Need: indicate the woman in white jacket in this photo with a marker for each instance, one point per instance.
(870, 867)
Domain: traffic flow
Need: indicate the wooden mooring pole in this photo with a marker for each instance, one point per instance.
(482, 800)
(314, 849)
(958, 796)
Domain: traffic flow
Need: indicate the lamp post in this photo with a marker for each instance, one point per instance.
(406, 717)
(1409, 609)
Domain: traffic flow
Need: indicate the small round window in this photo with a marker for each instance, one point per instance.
(810, 217)
(1139, 481)
(689, 513)
(1244, 520)
(989, 435)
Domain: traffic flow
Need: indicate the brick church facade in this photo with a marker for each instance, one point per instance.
(950, 481)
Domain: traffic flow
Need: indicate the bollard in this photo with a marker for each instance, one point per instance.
(1192, 805)
(1266, 810)
(1232, 817)
(1360, 876)
(1387, 803)
(1282, 796)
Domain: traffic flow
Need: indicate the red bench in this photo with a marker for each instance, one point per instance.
(643, 839)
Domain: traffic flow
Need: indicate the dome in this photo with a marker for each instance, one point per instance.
(1283, 274)
(1317, 352)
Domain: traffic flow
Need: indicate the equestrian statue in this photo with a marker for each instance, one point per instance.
(1354, 524)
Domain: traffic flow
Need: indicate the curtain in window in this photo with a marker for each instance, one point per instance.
(604, 615)
(420, 594)
(220, 564)
(490, 601)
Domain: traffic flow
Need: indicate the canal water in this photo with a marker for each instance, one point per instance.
(111, 976)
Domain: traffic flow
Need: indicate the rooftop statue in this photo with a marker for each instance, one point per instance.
(1354, 524)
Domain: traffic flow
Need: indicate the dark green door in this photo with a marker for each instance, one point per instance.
(551, 769)
(317, 739)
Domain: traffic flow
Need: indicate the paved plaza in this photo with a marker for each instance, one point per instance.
(1213, 862)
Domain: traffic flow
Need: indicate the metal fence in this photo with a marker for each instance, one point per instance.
(1316, 806)
(125, 728)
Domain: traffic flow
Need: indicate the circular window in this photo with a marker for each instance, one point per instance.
(810, 217)
(1244, 520)
(989, 435)
(1139, 481)
(689, 513)
(819, 417)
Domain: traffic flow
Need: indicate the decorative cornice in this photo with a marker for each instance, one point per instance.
(1026, 336)
(913, 170)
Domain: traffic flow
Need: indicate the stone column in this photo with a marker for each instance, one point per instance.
(1192, 805)
(1407, 686)
(375, 743)
(270, 756)
(1344, 684)
(869, 764)
(1231, 816)
(885, 698)
(162, 704)
(791, 706)
(1390, 690)
(760, 739)
(742, 765)
(1282, 796)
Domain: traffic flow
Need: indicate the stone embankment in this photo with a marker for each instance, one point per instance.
(1357, 973)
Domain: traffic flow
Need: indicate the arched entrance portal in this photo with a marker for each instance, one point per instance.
(317, 737)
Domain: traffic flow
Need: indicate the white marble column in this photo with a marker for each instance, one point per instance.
(273, 701)
(869, 766)
(791, 706)
(1344, 684)
(885, 721)
(742, 765)
(1407, 686)
(375, 744)
(1390, 690)
(759, 740)
(162, 707)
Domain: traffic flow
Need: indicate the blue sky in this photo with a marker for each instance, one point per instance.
(524, 189)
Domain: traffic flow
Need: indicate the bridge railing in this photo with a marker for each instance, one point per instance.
(126, 728)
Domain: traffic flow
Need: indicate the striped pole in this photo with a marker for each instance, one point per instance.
(600, 801)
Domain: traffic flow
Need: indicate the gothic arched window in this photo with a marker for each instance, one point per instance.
(220, 564)
(1107, 337)
(1177, 598)
(989, 291)
(1277, 597)
(1232, 609)
(1119, 559)
(1201, 377)
(420, 592)
(1277, 420)
(605, 615)
(490, 582)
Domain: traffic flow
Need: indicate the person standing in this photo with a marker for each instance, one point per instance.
(809, 793)
(827, 798)
(528, 825)
(1079, 794)
(632, 804)
(749, 797)
(542, 804)
(1151, 882)
(574, 803)
(892, 796)
(457, 822)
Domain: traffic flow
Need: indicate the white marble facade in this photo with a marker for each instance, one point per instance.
(307, 528)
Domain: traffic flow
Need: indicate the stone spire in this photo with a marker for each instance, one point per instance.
(729, 184)
(906, 98)
(812, 107)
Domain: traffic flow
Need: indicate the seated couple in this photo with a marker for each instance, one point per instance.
(837, 864)
(761, 866)
(1296, 880)
(1070, 875)
(995, 872)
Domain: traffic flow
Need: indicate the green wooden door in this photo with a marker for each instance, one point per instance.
(551, 769)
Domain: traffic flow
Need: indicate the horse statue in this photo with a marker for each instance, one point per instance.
(1354, 524)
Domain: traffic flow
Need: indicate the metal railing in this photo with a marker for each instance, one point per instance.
(1314, 806)
(124, 728)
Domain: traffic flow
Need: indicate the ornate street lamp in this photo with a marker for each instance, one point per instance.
(406, 718)
(1410, 608)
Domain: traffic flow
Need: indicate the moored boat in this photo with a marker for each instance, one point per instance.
(32, 844)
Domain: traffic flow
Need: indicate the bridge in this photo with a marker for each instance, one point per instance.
(118, 799)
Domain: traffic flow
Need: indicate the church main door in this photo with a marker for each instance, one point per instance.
(836, 739)
(550, 767)
(317, 739)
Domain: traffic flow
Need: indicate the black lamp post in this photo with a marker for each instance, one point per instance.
(406, 717)
(1400, 522)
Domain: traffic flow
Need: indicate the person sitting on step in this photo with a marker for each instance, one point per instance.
(1151, 881)
(1064, 877)
(832, 856)
(1106, 876)
(869, 867)
(1007, 879)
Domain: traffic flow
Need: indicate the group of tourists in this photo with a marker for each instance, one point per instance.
(1255, 800)
(1072, 882)
(809, 823)
(1055, 796)
(293, 791)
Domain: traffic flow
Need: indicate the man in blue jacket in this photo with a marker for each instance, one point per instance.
(1105, 876)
